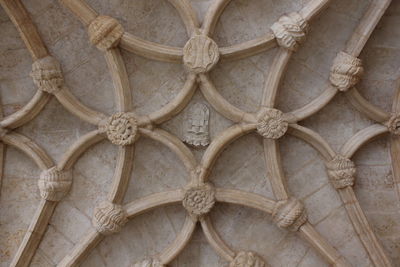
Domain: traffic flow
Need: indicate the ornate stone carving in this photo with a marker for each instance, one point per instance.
(346, 71)
(290, 30)
(105, 32)
(109, 218)
(341, 171)
(149, 263)
(271, 124)
(199, 199)
(121, 128)
(196, 125)
(394, 124)
(54, 184)
(200, 54)
(47, 74)
(289, 214)
(247, 259)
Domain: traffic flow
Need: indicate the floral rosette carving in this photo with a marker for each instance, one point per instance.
(289, 214)
(149, 263)
(346, 71)
(199, 199)
(200, 54)
(105, 32)
(247, 259)
(109, 218)
(47, 74)
(341, 171)
(271, 124)
(121, 128)
(394, 124)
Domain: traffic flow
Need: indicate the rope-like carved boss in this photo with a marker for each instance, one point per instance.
(199, 199)
(289, 214)
(346, 71)
(47, 74)
(341, 172)
(290, 31)
(121, 128)
(109, 218)
(105, 32)
(247, 259)
(394, 124)
(271, 124)
(148, 263)
(54, 184)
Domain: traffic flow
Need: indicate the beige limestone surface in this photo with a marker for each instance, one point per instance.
(241, 165)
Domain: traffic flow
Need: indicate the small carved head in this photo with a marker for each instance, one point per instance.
(247, 259)
(199, 199)
(271, 124)
(200, 54)
(121, 129)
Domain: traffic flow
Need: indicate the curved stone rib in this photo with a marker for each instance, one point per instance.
(246, 199)
(151, 50)
(215, 240)
(249, 48)
(274, 77)
(34, 234)
(22, 21)
(395, 146)
(319, 243)
(212, 16)
(179, 243)
(313, 8)
(31, 149)
(273, 164)
(220, 104)
(360, 138)
(177, 104)
(28, 112)
(314, 106)
(362, 105)
(116, 66)
(314, 139)
(187, 14)
(362, 228)
(81, 249)
(173, 143)
(150, 202)
(81, 9)
(74, 106)
(366, 26)
(78, 148)
(220, 143)
(122, 174)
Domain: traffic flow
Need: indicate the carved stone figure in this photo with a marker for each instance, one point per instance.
(341, 171)
(290, 31)
(121, 128)
(247, 259)
(199, 199)
(105, 32)
(47, 75)
(346, 71)
(196, 125)
(271, 124)
(289, 214)
(109, 218)
(54, 184)
(148, 263)
(200, 54)
(394, 124)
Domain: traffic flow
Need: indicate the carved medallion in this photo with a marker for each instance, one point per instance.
(200, 54)
(196, 125)
(199, 200)
(271, 124)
